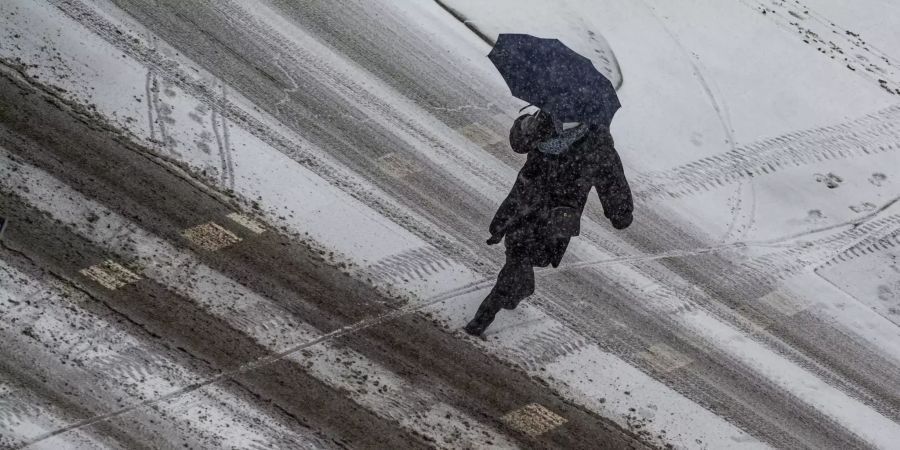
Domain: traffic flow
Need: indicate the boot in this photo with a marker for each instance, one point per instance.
(483, 319)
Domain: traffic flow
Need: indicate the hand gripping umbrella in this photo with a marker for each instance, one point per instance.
(551, 76)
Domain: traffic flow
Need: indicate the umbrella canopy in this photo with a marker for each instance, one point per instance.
(553, 77)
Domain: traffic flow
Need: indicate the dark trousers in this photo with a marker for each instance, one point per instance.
(514, 283)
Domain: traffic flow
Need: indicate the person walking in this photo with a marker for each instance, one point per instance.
(543, 211)
(570, 151)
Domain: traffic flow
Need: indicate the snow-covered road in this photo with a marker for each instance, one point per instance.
(754, 303)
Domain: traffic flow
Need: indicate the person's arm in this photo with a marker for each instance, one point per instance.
(614, 192)
(525, 134)
(501, 220)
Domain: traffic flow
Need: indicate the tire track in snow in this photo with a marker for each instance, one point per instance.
(409, 264)
(537, 350)
(160, 116)
(226, 141)
(774, 268)
(220, 147)
(874, 133)
(867, 246)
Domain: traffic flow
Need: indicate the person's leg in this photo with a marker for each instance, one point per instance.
(518, 277)
(483, 317)
(514, 283)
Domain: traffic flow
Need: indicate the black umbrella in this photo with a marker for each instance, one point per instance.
(553, 77)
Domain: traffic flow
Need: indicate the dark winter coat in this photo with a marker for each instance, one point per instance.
(543, 210)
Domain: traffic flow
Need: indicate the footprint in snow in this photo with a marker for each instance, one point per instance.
(831, 180)
(877, 179)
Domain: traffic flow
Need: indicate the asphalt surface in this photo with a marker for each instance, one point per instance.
(297, 278)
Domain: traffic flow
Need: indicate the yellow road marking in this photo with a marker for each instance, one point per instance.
(210, 236)
(533, 419)
(110, 275)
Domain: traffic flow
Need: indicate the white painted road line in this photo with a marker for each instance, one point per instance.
(533, 419)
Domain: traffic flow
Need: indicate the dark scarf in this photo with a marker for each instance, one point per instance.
(563, 140)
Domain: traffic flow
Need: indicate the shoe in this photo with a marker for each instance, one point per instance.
(483, 319)
(475, 327)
